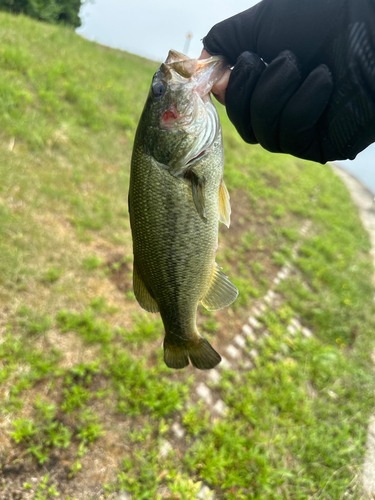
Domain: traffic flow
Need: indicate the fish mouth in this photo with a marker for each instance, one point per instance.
(207, 73)
(197, 75)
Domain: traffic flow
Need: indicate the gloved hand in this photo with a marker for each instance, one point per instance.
(303, 80)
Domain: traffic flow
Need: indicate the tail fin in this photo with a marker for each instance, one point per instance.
(202, 355)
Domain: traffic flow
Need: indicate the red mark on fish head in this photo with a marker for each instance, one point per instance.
(170, 116)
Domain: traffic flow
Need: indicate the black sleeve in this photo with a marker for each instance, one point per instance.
(303, 80)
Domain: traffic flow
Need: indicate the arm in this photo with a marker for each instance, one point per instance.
(303, 78)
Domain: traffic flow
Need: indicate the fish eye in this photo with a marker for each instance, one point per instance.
(158, 89)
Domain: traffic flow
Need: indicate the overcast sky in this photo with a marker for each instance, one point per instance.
(151, 28)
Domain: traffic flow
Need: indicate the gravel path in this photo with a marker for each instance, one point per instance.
(365, 201)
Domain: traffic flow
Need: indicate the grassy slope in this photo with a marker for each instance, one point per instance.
(80, 363)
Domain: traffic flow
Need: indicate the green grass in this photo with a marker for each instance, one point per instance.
(81, 366)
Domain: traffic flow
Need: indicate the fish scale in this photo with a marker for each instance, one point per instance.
(168, 233)
(174, 214)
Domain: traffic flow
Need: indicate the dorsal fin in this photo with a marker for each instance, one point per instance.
(224, 204)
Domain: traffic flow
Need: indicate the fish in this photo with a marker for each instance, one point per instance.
(177, 197)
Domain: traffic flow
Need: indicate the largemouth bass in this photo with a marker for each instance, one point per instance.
(177, 197)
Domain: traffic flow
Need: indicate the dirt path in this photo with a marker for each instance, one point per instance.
(365, 201)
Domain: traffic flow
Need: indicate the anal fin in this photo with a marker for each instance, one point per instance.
(142, 294)
(224, 204)
(221, 292)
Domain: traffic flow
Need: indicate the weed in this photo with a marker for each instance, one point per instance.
(138, 389)
(279, 259)
(98, 304)
(44, 491)
(196, 419)
(85, 324)
(75, 469)
(145, 329)
(76, 396)
(210, 325)
(43, 434)
(246, 289)
(258, 268)
(89, 428)
(24, 430)
(33, 322)
(139, 435)
(91, 262)
(182, 487)
(53, 274)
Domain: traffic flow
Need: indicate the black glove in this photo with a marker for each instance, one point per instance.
(303, 80)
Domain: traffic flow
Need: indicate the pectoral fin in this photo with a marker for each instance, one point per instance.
(224, 204)
(198, 192)
(142, 294)
(221, 292)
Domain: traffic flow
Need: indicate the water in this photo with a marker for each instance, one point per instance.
(363, 167)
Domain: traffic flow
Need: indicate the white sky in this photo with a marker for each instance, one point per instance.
(151, 28)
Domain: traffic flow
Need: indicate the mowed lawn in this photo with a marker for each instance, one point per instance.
(87, 407)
